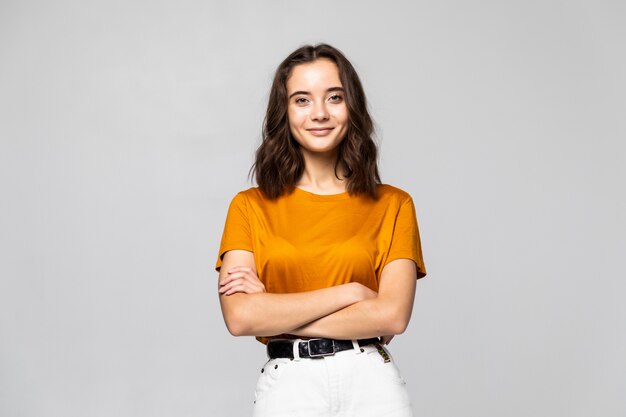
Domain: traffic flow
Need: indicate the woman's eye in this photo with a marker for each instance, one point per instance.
(300, 100)
(336, 97)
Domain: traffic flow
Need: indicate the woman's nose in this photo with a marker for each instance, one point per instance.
(319, 112)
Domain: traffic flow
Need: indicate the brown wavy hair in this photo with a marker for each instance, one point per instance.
(279, 163)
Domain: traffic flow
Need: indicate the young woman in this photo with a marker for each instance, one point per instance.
(320, 261)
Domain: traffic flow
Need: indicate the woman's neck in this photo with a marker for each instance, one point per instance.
(319, 175)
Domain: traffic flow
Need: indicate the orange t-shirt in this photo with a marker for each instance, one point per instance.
(304, 241)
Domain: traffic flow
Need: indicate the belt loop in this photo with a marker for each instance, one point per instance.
(296, 349)
(356, 346)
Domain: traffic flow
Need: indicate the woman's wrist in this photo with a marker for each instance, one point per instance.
(359, 292)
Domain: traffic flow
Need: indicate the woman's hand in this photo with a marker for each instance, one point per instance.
(362, 292)
(367, 293)
(241, 279)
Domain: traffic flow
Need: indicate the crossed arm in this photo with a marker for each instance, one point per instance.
(348, 311)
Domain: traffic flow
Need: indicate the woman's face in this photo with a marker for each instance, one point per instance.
(317, 111)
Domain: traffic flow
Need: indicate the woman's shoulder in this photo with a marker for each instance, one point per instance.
(250, 195)
(252, 191)
(247, 194)
(390, 191)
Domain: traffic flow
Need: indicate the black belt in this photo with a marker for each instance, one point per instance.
(312, 348)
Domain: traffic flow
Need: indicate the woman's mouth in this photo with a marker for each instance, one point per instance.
(320, 132)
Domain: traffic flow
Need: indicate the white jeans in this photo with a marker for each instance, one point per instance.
(350, 383)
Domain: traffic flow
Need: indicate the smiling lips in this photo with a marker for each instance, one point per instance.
(321, 131)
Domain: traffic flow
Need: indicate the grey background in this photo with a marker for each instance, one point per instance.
(127, 126)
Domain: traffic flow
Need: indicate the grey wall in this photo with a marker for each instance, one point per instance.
(127, 126)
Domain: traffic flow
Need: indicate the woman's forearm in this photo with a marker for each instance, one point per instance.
(388, 313)
(369, 318)
(268, 314)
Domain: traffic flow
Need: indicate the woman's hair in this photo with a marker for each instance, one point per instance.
(279, 163)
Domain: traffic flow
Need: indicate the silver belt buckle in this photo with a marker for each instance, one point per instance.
(318, 355)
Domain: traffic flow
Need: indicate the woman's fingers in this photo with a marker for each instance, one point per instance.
(241, 279)
(238, 285)
(239, 268)
(236, 289)
(228, 278)
(249, 274)
(232, 283)
(231, 277)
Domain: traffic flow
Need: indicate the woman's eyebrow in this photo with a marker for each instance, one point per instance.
(308, 93)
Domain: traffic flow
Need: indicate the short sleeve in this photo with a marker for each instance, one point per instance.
(405, 240)
(236, 233)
